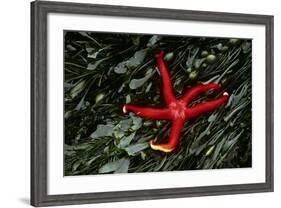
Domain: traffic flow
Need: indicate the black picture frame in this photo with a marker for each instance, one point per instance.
(39, 98)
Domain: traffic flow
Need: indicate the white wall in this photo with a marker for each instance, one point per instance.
(14, 103)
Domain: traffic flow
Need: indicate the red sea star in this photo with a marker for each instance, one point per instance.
(176, 110)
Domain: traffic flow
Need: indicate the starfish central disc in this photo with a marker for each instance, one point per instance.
(176, 110)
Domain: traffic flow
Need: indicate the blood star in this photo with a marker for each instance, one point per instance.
(176, 110)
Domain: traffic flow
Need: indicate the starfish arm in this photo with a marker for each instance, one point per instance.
(173, 137)
(166, 81)
(197, 90)
(200, 108)
(147, 112)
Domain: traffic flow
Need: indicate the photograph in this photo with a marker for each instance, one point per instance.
(136, 103)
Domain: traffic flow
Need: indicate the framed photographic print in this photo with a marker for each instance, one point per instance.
(133, 103)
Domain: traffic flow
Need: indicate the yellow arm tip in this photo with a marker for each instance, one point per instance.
(160, 147)
(124, 109)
